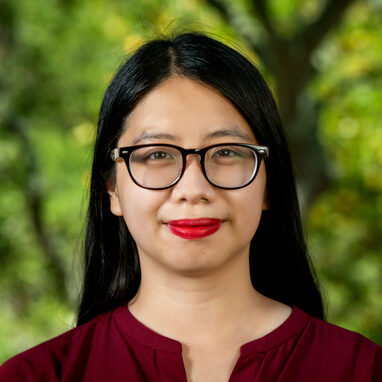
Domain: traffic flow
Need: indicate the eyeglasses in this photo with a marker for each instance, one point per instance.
(161, 166)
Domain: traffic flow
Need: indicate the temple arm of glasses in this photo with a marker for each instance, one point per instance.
(114, 155)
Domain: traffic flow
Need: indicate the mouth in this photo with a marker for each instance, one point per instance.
(194, 228)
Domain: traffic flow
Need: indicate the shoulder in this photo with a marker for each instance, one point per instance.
(44, 362)
(333, 348)
(329, 336)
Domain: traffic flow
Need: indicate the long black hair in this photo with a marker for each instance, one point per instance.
(279, 262)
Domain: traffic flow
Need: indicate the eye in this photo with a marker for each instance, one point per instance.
(155, 156)
(158, 155)
(226, 153)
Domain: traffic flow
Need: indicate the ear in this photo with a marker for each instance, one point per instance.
(115, 204)
(266, 204)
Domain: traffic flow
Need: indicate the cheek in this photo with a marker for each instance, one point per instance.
(249, 207)
(140, 210)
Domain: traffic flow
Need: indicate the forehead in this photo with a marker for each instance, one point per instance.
(185, 112)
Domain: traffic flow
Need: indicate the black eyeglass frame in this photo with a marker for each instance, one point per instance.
(125, 153)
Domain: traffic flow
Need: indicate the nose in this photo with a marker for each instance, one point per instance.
(193, 187)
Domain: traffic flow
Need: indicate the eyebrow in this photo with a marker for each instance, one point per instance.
(146, 136)
(230, 132)
(234, 131)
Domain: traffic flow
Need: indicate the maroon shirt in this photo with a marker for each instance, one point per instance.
(116, 347)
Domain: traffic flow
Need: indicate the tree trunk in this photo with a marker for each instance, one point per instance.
(288, 59)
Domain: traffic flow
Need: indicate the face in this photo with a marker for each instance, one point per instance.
(182, 112)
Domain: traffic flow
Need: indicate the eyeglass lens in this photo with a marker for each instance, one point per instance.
(225, 166)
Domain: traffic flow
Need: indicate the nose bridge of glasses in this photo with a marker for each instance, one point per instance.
(198, 155)
(193, 153)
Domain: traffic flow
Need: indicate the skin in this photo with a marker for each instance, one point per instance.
(197, 291)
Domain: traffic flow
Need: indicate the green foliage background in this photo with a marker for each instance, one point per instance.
(56, 60)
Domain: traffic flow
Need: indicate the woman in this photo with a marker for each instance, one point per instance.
(196, 265)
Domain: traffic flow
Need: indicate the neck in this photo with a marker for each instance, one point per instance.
(200, 309)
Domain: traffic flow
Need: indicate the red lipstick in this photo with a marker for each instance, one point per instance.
(194, 228)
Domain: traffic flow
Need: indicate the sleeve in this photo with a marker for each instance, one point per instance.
(15, 370)
(377, 370)
(366, 365)
(33, 365)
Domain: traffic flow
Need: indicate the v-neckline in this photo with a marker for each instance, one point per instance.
(133, 328)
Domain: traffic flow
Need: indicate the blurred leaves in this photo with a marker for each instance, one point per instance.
(56, 60)
(346, 222)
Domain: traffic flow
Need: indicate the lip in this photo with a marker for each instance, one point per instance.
(194, 228)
